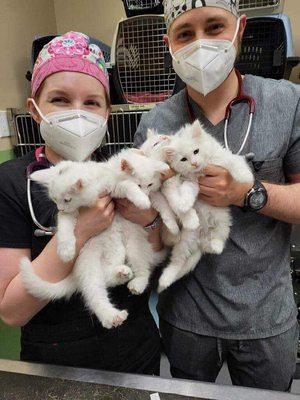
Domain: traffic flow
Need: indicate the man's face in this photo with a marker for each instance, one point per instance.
(204, 23)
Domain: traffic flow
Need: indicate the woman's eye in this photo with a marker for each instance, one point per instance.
(150, 184)
(59, 100)
(92, 103)
(184, 159)
(196, 151)
(67, 200)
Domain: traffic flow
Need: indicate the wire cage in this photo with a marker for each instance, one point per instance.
(142, 65)
(264, 48)
(139, 7)
(122, 124)
(261, 6)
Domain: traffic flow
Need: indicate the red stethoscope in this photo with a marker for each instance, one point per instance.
(40, 162)
(241, 97)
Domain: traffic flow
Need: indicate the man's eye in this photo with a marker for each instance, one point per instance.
(184, 159)
(215, 28)
(184, 35)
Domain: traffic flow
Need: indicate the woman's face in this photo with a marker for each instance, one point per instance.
(69, 91)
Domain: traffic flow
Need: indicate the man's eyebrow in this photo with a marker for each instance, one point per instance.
(186, 25)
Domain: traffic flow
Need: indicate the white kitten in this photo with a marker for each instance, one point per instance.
(188, 153)
(101, 262)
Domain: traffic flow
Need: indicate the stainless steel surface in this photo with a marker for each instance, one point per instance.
(141, 382)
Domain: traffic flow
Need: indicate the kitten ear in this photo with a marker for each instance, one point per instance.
(196, 129)
(126, 166)
(151, 133)
(44, 176)
(169, 152)
(77, 187)
(138, 151)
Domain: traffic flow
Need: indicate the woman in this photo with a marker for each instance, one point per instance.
(69, 74)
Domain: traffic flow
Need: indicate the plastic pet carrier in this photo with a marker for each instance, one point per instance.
(139, 7)
(259, 7)
(267, 48)
(141, 62)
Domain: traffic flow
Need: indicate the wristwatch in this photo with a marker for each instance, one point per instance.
(154, 224)
(256, 198)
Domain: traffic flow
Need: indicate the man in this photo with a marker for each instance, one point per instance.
(237, 306)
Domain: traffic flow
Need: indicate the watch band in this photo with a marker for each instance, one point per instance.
(154, 224)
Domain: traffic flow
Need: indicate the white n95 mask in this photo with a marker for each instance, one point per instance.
(72, 134)
(205, 64)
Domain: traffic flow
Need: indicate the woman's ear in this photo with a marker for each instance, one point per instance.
(35, 115)
(243, 23)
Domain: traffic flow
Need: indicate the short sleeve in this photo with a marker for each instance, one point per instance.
(15, 225)
(292, 157)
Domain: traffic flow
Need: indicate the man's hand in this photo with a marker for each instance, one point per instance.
(134, 214)
(219, 189)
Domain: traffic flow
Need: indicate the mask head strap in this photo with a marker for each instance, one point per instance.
(39, 111)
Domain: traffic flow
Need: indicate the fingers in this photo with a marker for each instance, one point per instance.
(214, 170)
(103, 202)
(122, 202)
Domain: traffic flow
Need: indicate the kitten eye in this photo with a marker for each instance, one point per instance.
(150, 184)
(184, 159)
(140, 186)
(196, 151)
(67, 200)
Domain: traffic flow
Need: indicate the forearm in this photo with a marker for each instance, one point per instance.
(18, 306)
(155, 239)
(283, 202)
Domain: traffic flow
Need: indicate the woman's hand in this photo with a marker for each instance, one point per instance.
(134, 214)
(93, 221)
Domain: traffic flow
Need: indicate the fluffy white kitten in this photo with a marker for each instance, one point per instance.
(101, 262)
(188, 152)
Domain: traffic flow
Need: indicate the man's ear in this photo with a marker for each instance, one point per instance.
(166, 40)
(33, 112)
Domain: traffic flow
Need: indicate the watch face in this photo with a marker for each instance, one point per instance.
(257, 200)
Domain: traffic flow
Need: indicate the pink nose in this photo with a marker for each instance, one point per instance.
(194, 164)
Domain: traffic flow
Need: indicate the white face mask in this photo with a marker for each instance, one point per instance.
(72, 134)
(205, 64)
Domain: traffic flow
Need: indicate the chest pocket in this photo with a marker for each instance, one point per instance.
(269, 170)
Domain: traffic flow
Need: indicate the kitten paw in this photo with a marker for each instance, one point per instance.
(66, 250)
(167, 278)
(138, 285)
(142, 202)
(217, 246)
(115, 319)
(124, 274)
(191, 221)
(172, 227)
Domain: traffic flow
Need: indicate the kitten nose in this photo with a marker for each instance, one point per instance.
(195, 164)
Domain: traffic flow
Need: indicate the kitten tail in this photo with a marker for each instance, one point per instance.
(41, 289)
